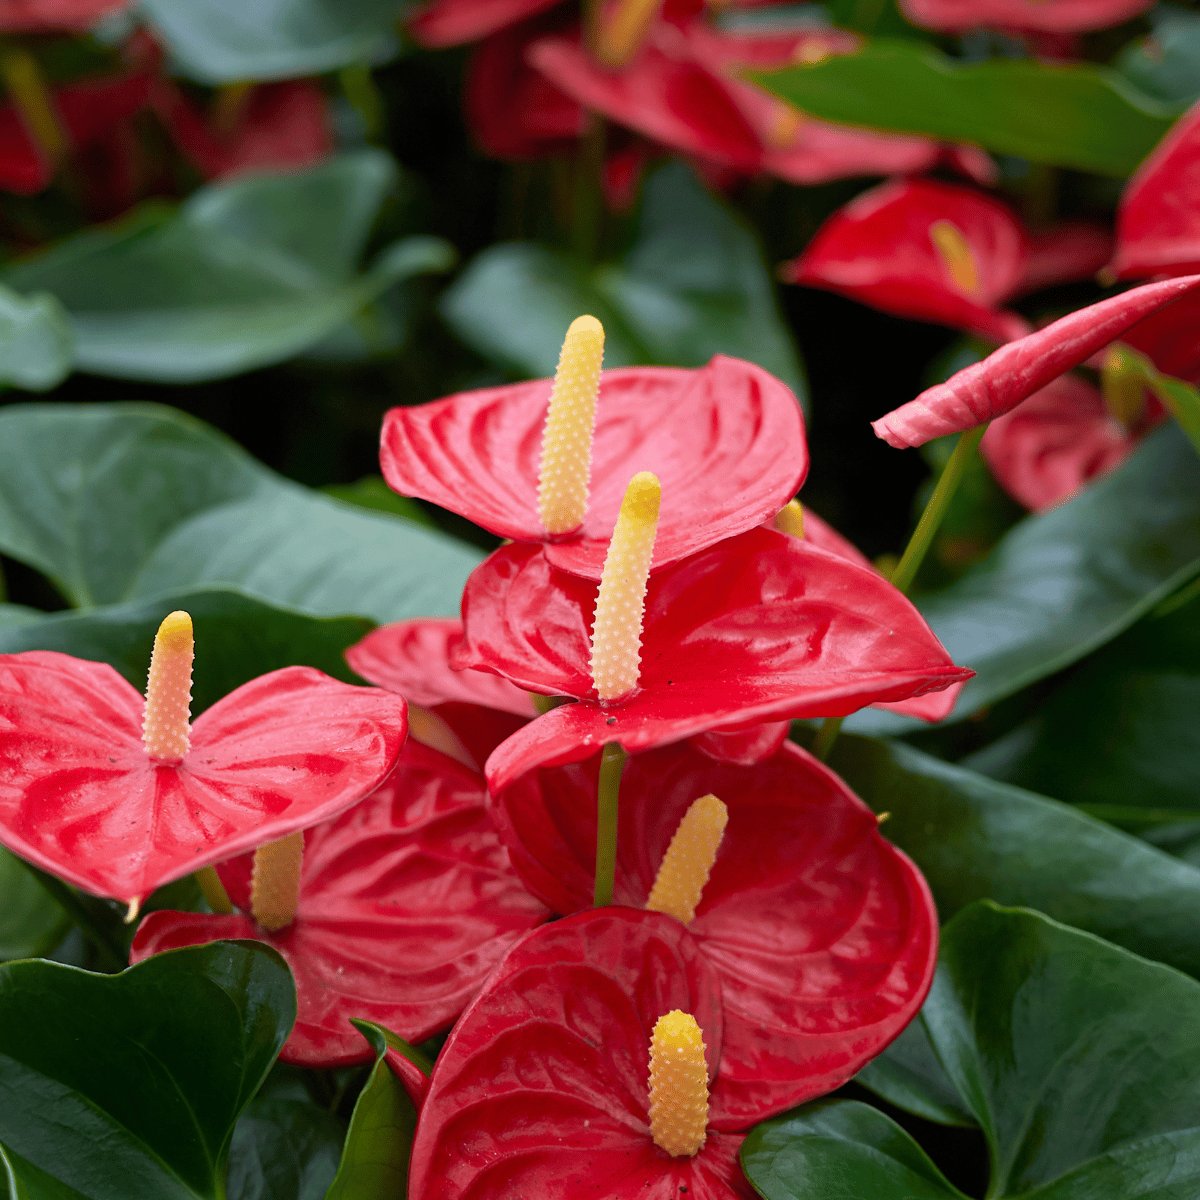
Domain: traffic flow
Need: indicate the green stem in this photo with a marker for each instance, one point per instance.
(608, 791)
(585, 230)
(111, 952)
(826, 736)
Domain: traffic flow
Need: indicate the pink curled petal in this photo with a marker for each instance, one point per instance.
(1067, 252)
(743, 747)
(47, 16)
(452, 22)
(988, 389)
(1060, 16)
(931, 707)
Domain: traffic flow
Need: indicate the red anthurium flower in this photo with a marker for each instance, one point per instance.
(47, 16)
(452, 22)
(823, 935)
(1061, 16)
(988, 389)
(406, 902)
(726, 441)
(82, 796)
(543, 1087)
(761, 627)
(1158, 221)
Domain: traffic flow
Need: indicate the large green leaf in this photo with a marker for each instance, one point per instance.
(237, 639)
(693, 285)
(1065, 582)
(1070, 114)
(975, 838)
(219, 41)
(1121, 733)
(1166, 63)
(375, 1158)
(30, 921)
(1078, 1060)
(909, 1075)
(244, 274)
(36, 342)
(130, 1085)
(131, 501)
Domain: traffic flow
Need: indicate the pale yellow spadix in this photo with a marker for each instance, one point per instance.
(619, 37)
(953, 249)
(617, 631)
(678, 1085)
(689, 859)
(566, 465)
(1121, 385)
(790, 519)
(275, 881)
(169, 690)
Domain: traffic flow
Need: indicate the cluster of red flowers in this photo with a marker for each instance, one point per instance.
(418, 893)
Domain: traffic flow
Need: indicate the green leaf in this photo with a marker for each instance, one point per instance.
(1069, 114)
(119, 502)
(222, 41)
(1067, 581)
(130, 1085)
(375, 1158)
(237, 639)
(245, 274)
(1165, 64)
(17, 614)
(30, 922)
(975, 838)
(371, 492)
(693, 285)
(35, 341)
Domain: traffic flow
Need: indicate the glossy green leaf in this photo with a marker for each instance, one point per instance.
(221, 41)
(30, 922)
(375, 1158)
(131, 501)
(1121, 734)
(175, 1049)
(1165, 63)
(245, 274)
(36, 341)
(1070, 114)
(17, 614)
(1078, 1059)
(237, 639)
(1067, 581)
(371, 492)
(975, 838)
(693, 285)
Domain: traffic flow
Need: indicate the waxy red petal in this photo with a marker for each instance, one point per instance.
(761, 627)
(542, 1089)
(1062, 16)
(988, 389)
(80, 797)
(726, 442)
(1065, 253)
(407, 901)
(1158, 222)
(879, 250)
(47, 16)
(823, 934)
(452, 22)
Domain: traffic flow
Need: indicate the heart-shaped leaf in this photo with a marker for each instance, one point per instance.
(131, 501)
(693, 285)
(1072, 114)
(244, 274)
(176, 1049)
(1068, 580)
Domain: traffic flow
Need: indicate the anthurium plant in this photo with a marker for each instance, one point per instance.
(599, 598)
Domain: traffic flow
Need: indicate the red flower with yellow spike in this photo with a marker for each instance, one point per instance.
(119, 796)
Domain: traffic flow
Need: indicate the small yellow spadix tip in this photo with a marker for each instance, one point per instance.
(617, 631)
(618, 38)
(790, 519)
(566, 465)
(678, 1085)
(169, 690)
(275, 881)
(1121, 385)
(689, 859)
(955, 252)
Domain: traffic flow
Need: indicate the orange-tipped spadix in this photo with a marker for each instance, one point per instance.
(566, 465)
(678, 1085)
(275, 881)
(165, 726)
(955, 252)
(689, 859)
(617, 631)
(1122, 385)
(790, 519)
(622, 31)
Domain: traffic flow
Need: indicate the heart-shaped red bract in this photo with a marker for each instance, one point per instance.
(541, 1090)
(823, 934)
(880, 249)
(1061, 16)
(407, 901)
(726, 442)
(80, 797)
(988, 389)
(760, 627)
